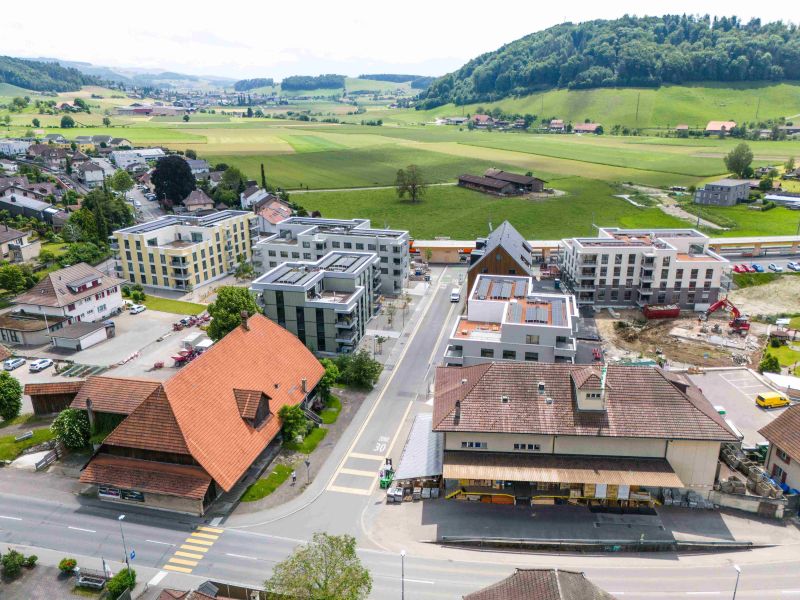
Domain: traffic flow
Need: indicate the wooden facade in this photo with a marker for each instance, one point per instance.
(495, 262)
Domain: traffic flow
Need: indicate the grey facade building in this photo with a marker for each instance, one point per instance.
(309, 239)
(325, 303)
(725, 192)
(636, 267)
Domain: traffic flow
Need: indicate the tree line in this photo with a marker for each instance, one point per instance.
(244, 85)
(309, 82)
(42, 76)
(630, 51)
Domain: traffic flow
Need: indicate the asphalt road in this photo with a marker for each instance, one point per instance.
(148, 210)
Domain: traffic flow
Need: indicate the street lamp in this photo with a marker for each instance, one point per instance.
(736, 587)
(308, 471)
(121, 518)
(402, 574)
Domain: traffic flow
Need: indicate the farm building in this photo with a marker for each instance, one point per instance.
(595, 128)
(523, 183)
(487, 185)
(720, 127)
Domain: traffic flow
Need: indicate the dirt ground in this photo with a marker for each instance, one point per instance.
(776, 297)
(646, 339)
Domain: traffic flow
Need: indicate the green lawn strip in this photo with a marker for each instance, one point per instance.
(56, 248)
(26, 419)
(794, 323)
(309, 444)
(264, 487)
(330, 413)
(785, 355)
(9, 449)
(746, 280)
(177, 307)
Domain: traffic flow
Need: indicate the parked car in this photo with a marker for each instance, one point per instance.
(137, 308)
(749, 269)
(40, 365)
(739, 269)
(757, 268)
(12, 363)
(793, 266)
(775, 268)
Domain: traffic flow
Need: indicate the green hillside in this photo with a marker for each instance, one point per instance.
(42, 76)
(352, 84)
(665, 106)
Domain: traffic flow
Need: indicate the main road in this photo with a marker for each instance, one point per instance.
(245, 547)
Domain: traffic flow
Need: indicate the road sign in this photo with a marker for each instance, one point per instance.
(133, 554)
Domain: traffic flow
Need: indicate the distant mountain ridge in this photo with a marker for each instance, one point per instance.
(42, 76)
(630, 51)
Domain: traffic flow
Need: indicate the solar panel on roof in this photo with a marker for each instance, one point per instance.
(506, 291)
(519, 288)
(516, 313)
(483, 288)
(558, 313)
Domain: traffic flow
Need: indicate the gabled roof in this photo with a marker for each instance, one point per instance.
(511, 177)
(488, 182)
(118, 395)
(542, 584)
(54, 290)
(720, 125)
(9, 235)
(247, 401)
(784, 432)
(587, 377)
(640, 402)
(512, 242)
(197, 198)
(52, 389)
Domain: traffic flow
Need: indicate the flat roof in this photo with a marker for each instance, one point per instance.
(209, 220)
(77, 330)
(727, 182)
(301, 273)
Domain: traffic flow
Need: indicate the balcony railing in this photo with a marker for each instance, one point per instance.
(346, 323)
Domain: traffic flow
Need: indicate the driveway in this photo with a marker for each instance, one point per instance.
(736, 390)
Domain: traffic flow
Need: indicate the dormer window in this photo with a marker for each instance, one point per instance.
(253, 406)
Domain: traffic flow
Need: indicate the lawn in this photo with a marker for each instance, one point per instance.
(465, 214)
(778, 221)
(9, 449)
(56, 249)
(26, 419)
(309, 444)
(333, 406)
(177, 307)
(264, 487)
(787, 357)
(795, 323)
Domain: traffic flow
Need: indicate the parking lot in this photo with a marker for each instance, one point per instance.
(736, 390)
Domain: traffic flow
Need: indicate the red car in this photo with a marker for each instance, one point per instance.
(739, 269)
(749, 269)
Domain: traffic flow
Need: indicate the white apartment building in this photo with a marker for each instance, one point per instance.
(309, 239)
(325, 303)
(11, 147)
(507, 320)
(636, 267)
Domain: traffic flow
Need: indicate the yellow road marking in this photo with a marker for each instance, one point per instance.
(194, 548)
(358, 472)
(178, 569)
(211, 529)
(199, 541)
(180, 561)
(188, 555)
(348, 490)
(207, 536)
(366, 456)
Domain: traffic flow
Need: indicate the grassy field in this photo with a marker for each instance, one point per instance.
(309, 443)
(177, 307)
(264, 487)
(465, 214)
(9, 449)
(333, 406)
(778, 221)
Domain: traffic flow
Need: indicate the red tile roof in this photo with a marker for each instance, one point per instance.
(147, 476)
(640, 402)
(784, 432)
(247, 401)
(56, 387)
(542, 584)
(118, 395)
(586, 377)
(275, 212)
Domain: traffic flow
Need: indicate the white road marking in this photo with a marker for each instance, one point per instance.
(157, 542)
(241, 556)
(157, 577)
(366, 456)
(81, 529)
(359, 472)
(394, 440)
(10, 518)
(216, 521)
(349, 490)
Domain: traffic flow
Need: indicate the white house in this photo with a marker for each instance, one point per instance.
(9, 166)
(90, 174)
(14, 147)
(127, 159)
(108, 168)
(252, 195)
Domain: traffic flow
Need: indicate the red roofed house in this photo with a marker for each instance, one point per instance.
(720, 127)
(783, 458)
(587, 128)
(271, 211)
(529, 429)
(482, 120)
(198, 200)
(557, 126)
(197, 434)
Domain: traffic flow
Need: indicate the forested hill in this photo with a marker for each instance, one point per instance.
(42, 76)
(630, 51)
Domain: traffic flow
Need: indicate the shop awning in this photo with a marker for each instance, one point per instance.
(549, 468)
(422, 455)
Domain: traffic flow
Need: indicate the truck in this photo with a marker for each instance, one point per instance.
(661, 311)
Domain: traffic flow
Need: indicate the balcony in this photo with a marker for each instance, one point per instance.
(181, 276)
(347, 338)
(454, 356)
(588, 260)
(586, 285)
(346, 323)
(178, 262)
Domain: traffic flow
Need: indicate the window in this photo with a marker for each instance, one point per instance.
(617, 271)
(359, 246)
(533, 356)
(679, 274)
(482, 445)
(603, 271)
(614, 294)
(531, 339)
(601, 294)
(336, 244)
(709, 273)
(664, 273)
(618, 259)
(348, 245)
(627, 294)
(509, 355)
(693, 274)
(604, 259)
(306, 244)
(487, 353)
(630, 271)
(295, 255)
(782, 455)
(371, 247)
(631, 258)
(534, 447)
(383, 248)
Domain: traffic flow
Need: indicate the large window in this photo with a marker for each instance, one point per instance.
(487, 353)
(509, 355)
(481, 445)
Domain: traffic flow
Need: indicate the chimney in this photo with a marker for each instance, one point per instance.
(245, 315)
(90, 414)
(541, 388)
(457, 417)
(304, 385)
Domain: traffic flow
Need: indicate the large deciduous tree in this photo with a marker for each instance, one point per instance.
(738, 160)
(173, 180)
(326, 569)
(409, 182)
(10, 396)
(121, 181)
(227, 310)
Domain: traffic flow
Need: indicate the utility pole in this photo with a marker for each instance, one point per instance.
(121, 518)
(758, 106)
(638, 97)
(402, 575)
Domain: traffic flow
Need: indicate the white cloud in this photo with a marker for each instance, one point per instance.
(279, 39)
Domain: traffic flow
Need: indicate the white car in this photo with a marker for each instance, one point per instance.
(40, 365)
(137, 308)
(775, 268)
(793, 266)
(12, 363)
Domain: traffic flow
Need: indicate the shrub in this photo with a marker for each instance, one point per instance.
(776, 343)
(294, 422)
(120, 582)
(67, 565)
(769, 364)
(30, 561)
(71, 426)
(12, 562)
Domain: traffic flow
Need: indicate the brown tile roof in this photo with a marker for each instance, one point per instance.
(151, 426)
(56, 387)
(197, 198)
(640, 402)
(53, 289)
(510, 177)
(542, 584)
(9, 235)
(147, 476)
(117, 395)
(247, 401)
(784, 431)
(487, 182)
(587, 377)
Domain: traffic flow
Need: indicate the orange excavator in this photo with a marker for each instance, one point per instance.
(738, 322)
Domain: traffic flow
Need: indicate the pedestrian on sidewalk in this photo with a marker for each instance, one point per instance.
(294, 477)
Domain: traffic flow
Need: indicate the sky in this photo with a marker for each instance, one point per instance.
(277, 39)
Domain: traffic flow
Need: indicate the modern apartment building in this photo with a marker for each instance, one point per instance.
(507, 320)
(725, 192)
(635, 267)
(309, 239)
(326, 303)
(179, 252)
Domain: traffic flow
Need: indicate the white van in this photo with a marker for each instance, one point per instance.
(455, 295)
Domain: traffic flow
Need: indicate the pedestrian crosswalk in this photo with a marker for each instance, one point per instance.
(193, 550)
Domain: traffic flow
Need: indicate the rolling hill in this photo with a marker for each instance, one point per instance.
(42, 76)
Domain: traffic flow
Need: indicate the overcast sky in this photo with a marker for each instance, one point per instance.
(276, 39)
